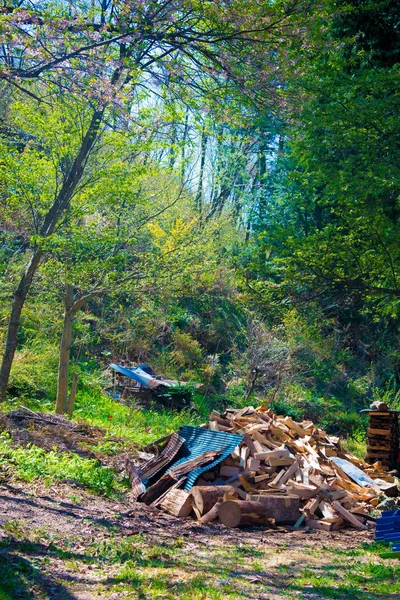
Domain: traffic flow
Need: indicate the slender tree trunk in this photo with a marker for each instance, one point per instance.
(72, 395)
(184, 139)
(65, 351)
(60, 204)
(203, 146)
(15, 317)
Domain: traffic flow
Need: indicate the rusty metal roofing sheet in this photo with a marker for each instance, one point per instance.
(199, 440)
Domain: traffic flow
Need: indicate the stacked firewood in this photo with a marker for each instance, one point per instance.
(281, 472)
(383, 436)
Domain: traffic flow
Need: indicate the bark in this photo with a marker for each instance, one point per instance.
(235, 513)
(72, 394)
(15, 317)
(203, 147)
(51, 219)
(65, 351)
(206, 496)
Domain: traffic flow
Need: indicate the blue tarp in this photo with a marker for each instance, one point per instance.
(354, 472)
(137, 374)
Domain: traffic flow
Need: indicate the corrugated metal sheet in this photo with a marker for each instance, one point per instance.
(170, 451)
(388, 528)
(197, 441)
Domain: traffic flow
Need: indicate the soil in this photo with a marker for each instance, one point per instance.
(48, 533)
(65, 515)
(50, 431)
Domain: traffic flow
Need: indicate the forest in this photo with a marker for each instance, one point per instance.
(217, 198)
(207, 187)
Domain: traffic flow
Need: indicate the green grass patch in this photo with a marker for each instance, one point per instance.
(34, 463)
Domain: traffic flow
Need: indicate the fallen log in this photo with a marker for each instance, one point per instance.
(205, 497)
(235, 513)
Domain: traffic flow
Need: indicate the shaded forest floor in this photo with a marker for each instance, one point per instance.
(80, 536)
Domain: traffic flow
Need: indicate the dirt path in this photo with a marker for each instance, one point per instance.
(60, 543)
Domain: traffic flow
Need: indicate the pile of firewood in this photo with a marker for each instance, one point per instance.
(282, 472)
(383, 435)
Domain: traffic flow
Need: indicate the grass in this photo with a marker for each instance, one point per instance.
(149, 567)
(146, 567)
(120, 420)
(33, 463)
(130, 425)
(358, 447)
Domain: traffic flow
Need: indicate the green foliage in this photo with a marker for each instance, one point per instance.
(141, 426)
(32, 463)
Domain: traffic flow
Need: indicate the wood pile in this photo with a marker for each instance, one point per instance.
(283, 472)
(383, 437)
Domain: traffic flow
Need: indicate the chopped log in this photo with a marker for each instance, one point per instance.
(321, 524)
(327, 510)
(379, 406)
(204, 497)
(253, 464)
(295, 427)
(244, 454)
(178, 484)
(311, 506)
(249, 443)
(177, 503)
(272, 454)
(243, 512)
(283, 509)
(211, 515)
(289, 473)
(280, 462)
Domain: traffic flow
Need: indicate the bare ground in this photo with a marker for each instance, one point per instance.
(59, 542)
(51, 534)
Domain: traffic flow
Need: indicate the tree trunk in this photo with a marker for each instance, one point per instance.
(15, 317)
(65, 350)
(205, 496)
(51, 219)
(72, 394)
(243, 512)
(203, 147)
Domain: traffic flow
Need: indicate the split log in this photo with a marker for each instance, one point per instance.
(283, 509)
(205, 497)
(348, 516)
(177, 503)
(243, 512)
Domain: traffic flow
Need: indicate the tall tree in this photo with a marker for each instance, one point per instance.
(107, 52)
